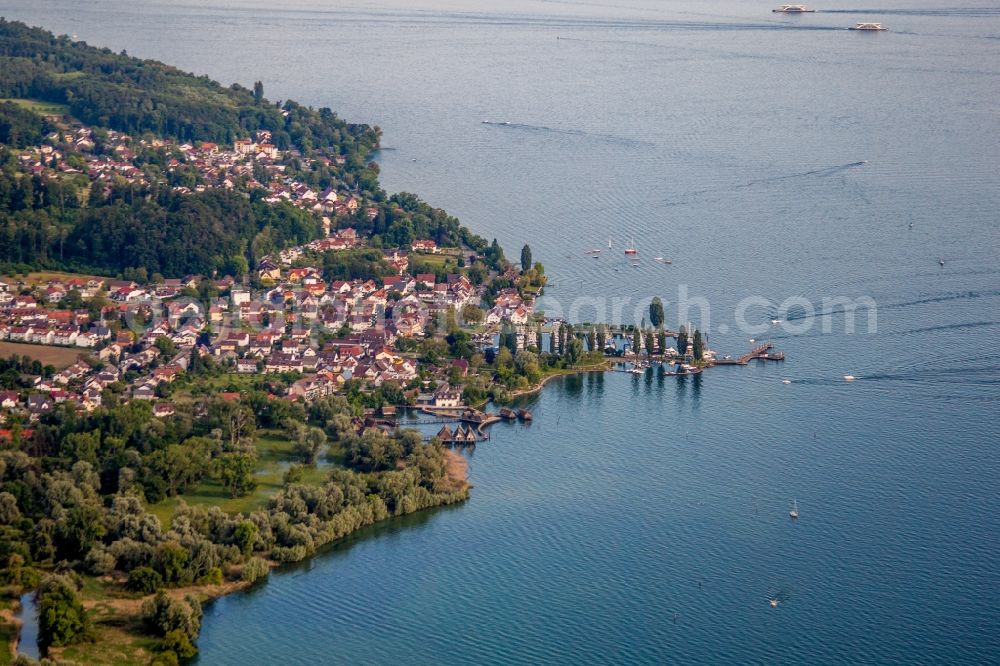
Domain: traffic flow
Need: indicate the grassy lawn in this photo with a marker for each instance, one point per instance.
(60, 357)
(43, 277)
(434, 259)
(38, 106)
(274, 457)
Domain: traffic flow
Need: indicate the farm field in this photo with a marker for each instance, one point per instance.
(60, 357)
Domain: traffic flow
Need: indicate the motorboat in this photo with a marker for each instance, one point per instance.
(869, 27)
(793, 9)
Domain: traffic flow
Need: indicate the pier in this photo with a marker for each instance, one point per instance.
(476, 421)
(763, 353)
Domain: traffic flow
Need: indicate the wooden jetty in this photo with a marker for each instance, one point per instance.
(763, 352)
(474, 418)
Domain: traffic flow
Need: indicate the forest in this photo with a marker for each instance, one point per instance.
(106, 89)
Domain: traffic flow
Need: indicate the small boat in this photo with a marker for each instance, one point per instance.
(793, 9)
(773, 602)
(794, 513)
(870, 27)
(775, 321)
(508, 413)
(593, 252)
(661, 260)
(630, 250)
(524, 415)
(849, 378)
(940, 262)
(786, 381)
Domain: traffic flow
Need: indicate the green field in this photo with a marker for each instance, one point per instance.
(39, 106)
(274, 457)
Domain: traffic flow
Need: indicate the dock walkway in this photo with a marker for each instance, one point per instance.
(763, 352)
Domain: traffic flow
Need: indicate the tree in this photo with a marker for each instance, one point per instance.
(526, 363)
(309, 442)
(144, 580)
(682, 340)
(166, 346)
(9, 512)
(574, 349)
(177, 621)
(698, 345)
(258, 91)
(62, 619)
(636, 339)
(236, 471)
(656, 317)
(601, 337)
(472, 315)
(245, 535)
(172, 561)
(525, 257)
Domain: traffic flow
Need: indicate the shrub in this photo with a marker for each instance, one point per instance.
(144, 580)
(255, 569)
(177, 641)
(163, 614)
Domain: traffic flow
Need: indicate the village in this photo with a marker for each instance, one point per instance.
(329, 332)
(283, 318)
(109, 157)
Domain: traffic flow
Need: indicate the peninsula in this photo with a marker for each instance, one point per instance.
(211, 316)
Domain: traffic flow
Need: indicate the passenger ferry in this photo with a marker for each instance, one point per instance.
(793, 9)
(868, 26)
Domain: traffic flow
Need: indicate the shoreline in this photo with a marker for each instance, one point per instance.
(603, 366)
(458, 468)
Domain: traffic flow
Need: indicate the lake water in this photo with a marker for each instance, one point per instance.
(766, 155)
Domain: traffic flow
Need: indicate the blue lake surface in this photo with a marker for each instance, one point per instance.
(644, 519)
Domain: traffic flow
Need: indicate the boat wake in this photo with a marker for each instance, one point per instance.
(821, 173)
(621, 140)
(944, 11)
(962, 296)
(913, 331)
